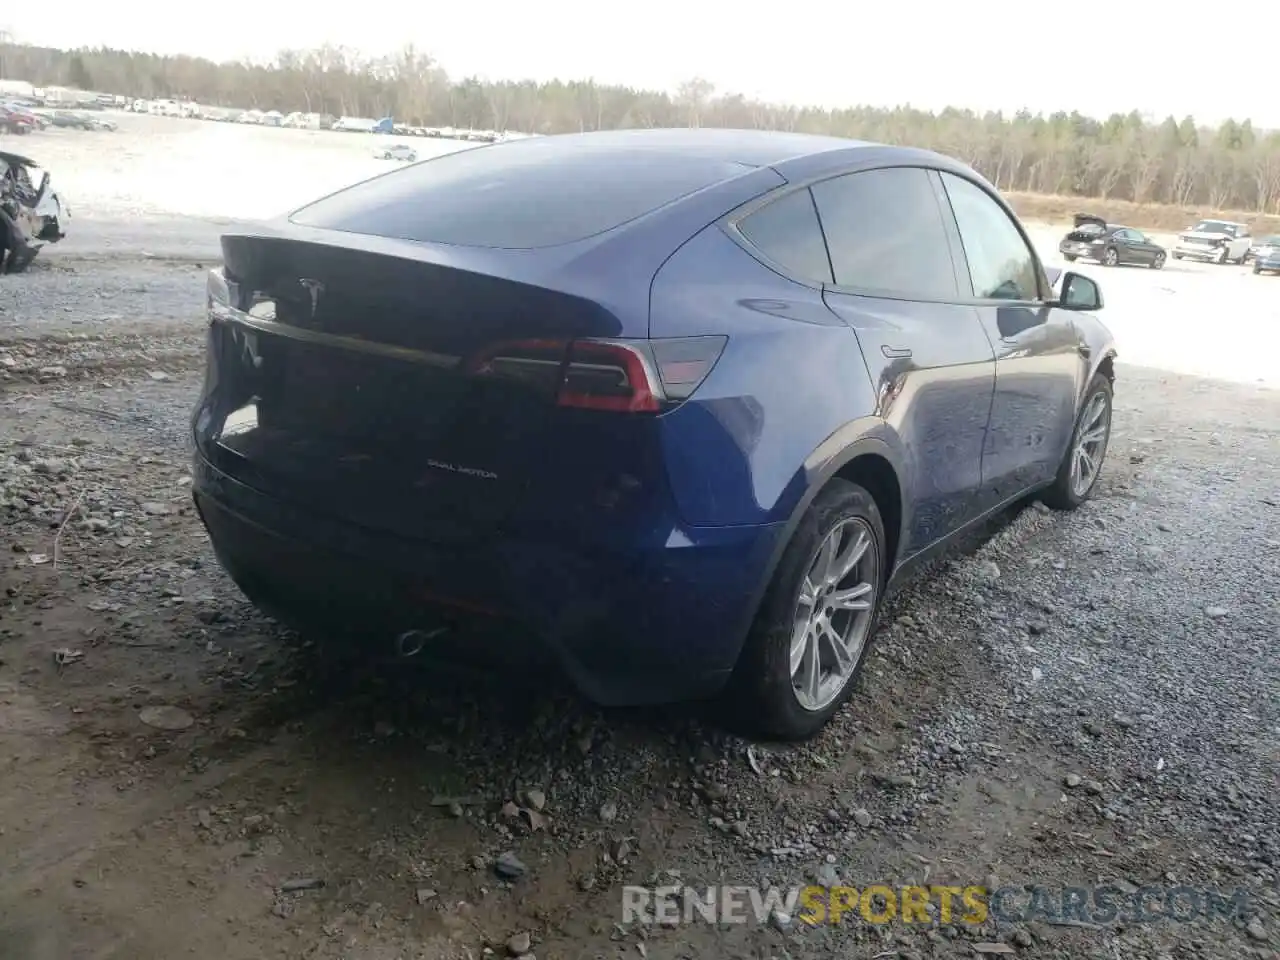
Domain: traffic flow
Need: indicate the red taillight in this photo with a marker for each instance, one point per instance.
(614, 375)
(603, 375)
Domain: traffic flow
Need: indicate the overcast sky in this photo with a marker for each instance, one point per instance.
(985, 54)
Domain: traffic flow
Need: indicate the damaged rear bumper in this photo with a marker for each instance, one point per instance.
(655, 625)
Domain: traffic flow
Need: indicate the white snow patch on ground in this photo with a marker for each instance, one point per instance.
(161, 166)
(1193, 318)
(1201, 319)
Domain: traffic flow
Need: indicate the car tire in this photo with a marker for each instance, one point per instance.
(1069, 257)
(1256, 268)
(1070, 488)
(1222, 258)
(1177, 256)
(1110, 257)
(763, 691)
(1158, 262)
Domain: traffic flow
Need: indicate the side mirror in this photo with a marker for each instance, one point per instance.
(1079, 293)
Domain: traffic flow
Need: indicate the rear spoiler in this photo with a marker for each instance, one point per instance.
(1082, 218)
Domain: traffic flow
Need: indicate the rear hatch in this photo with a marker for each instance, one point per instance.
(420, 398)
(1088, 228)
(416, 353)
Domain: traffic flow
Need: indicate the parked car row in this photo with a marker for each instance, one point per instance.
(19, 117)
(1209, 241)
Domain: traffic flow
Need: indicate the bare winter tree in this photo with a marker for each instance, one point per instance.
(693, 96)
(1230, 167)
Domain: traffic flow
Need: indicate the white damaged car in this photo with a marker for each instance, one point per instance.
(1215, 241)
(30, 215)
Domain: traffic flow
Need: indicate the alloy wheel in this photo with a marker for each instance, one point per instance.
(1091, 443)
(1111, 258)
(1159, 261)
(833, 613)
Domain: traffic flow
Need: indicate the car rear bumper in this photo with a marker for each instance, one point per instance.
(1070, 248)
(1198, 252)
(655, 625)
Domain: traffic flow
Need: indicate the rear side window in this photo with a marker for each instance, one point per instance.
(530, 193)
(885, 231)
(787, 232)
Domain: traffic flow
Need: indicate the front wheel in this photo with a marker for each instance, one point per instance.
(1256, 268)
(1111, 257)
(806, 647)
(1222, 258)
(1069, 257)
(1158, 262)
(1081, 465)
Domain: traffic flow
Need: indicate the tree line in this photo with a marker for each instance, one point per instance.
(1177, 161)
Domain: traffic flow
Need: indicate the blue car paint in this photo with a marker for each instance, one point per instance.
(637, 548)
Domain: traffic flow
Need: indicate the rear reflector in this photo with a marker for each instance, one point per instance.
(684, 363)
(615, 375)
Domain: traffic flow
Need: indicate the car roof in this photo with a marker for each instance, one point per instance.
(795, 156)
(749, 148)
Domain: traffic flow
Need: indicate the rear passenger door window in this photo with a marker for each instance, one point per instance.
(786, 231)
(1001, 265)
(885, 234)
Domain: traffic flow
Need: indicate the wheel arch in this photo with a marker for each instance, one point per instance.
(1106, 366)
(872, 463)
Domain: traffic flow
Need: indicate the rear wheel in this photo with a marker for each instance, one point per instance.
(806, 648)
(1069, 257)
(1082, 463)
(1110, 258)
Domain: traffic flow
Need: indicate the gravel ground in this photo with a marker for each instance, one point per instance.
(1071, 700)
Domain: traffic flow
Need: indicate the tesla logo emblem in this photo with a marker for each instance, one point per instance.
(314, 288)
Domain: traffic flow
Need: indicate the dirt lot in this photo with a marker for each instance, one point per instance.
(1076, 700)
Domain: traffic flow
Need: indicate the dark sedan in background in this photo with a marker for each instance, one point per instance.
(682, 405)
(1264, 248)
(1110, 244)
(1267, 260)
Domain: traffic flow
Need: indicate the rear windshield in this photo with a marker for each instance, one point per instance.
(520, 195)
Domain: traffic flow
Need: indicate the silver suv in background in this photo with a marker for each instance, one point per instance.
(1217, 241)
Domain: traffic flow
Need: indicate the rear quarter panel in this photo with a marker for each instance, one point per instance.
(776, 409)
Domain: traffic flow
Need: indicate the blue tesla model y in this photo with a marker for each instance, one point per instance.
(681, 405)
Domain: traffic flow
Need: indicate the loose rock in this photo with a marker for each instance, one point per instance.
(509, 867)
(519, 944)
